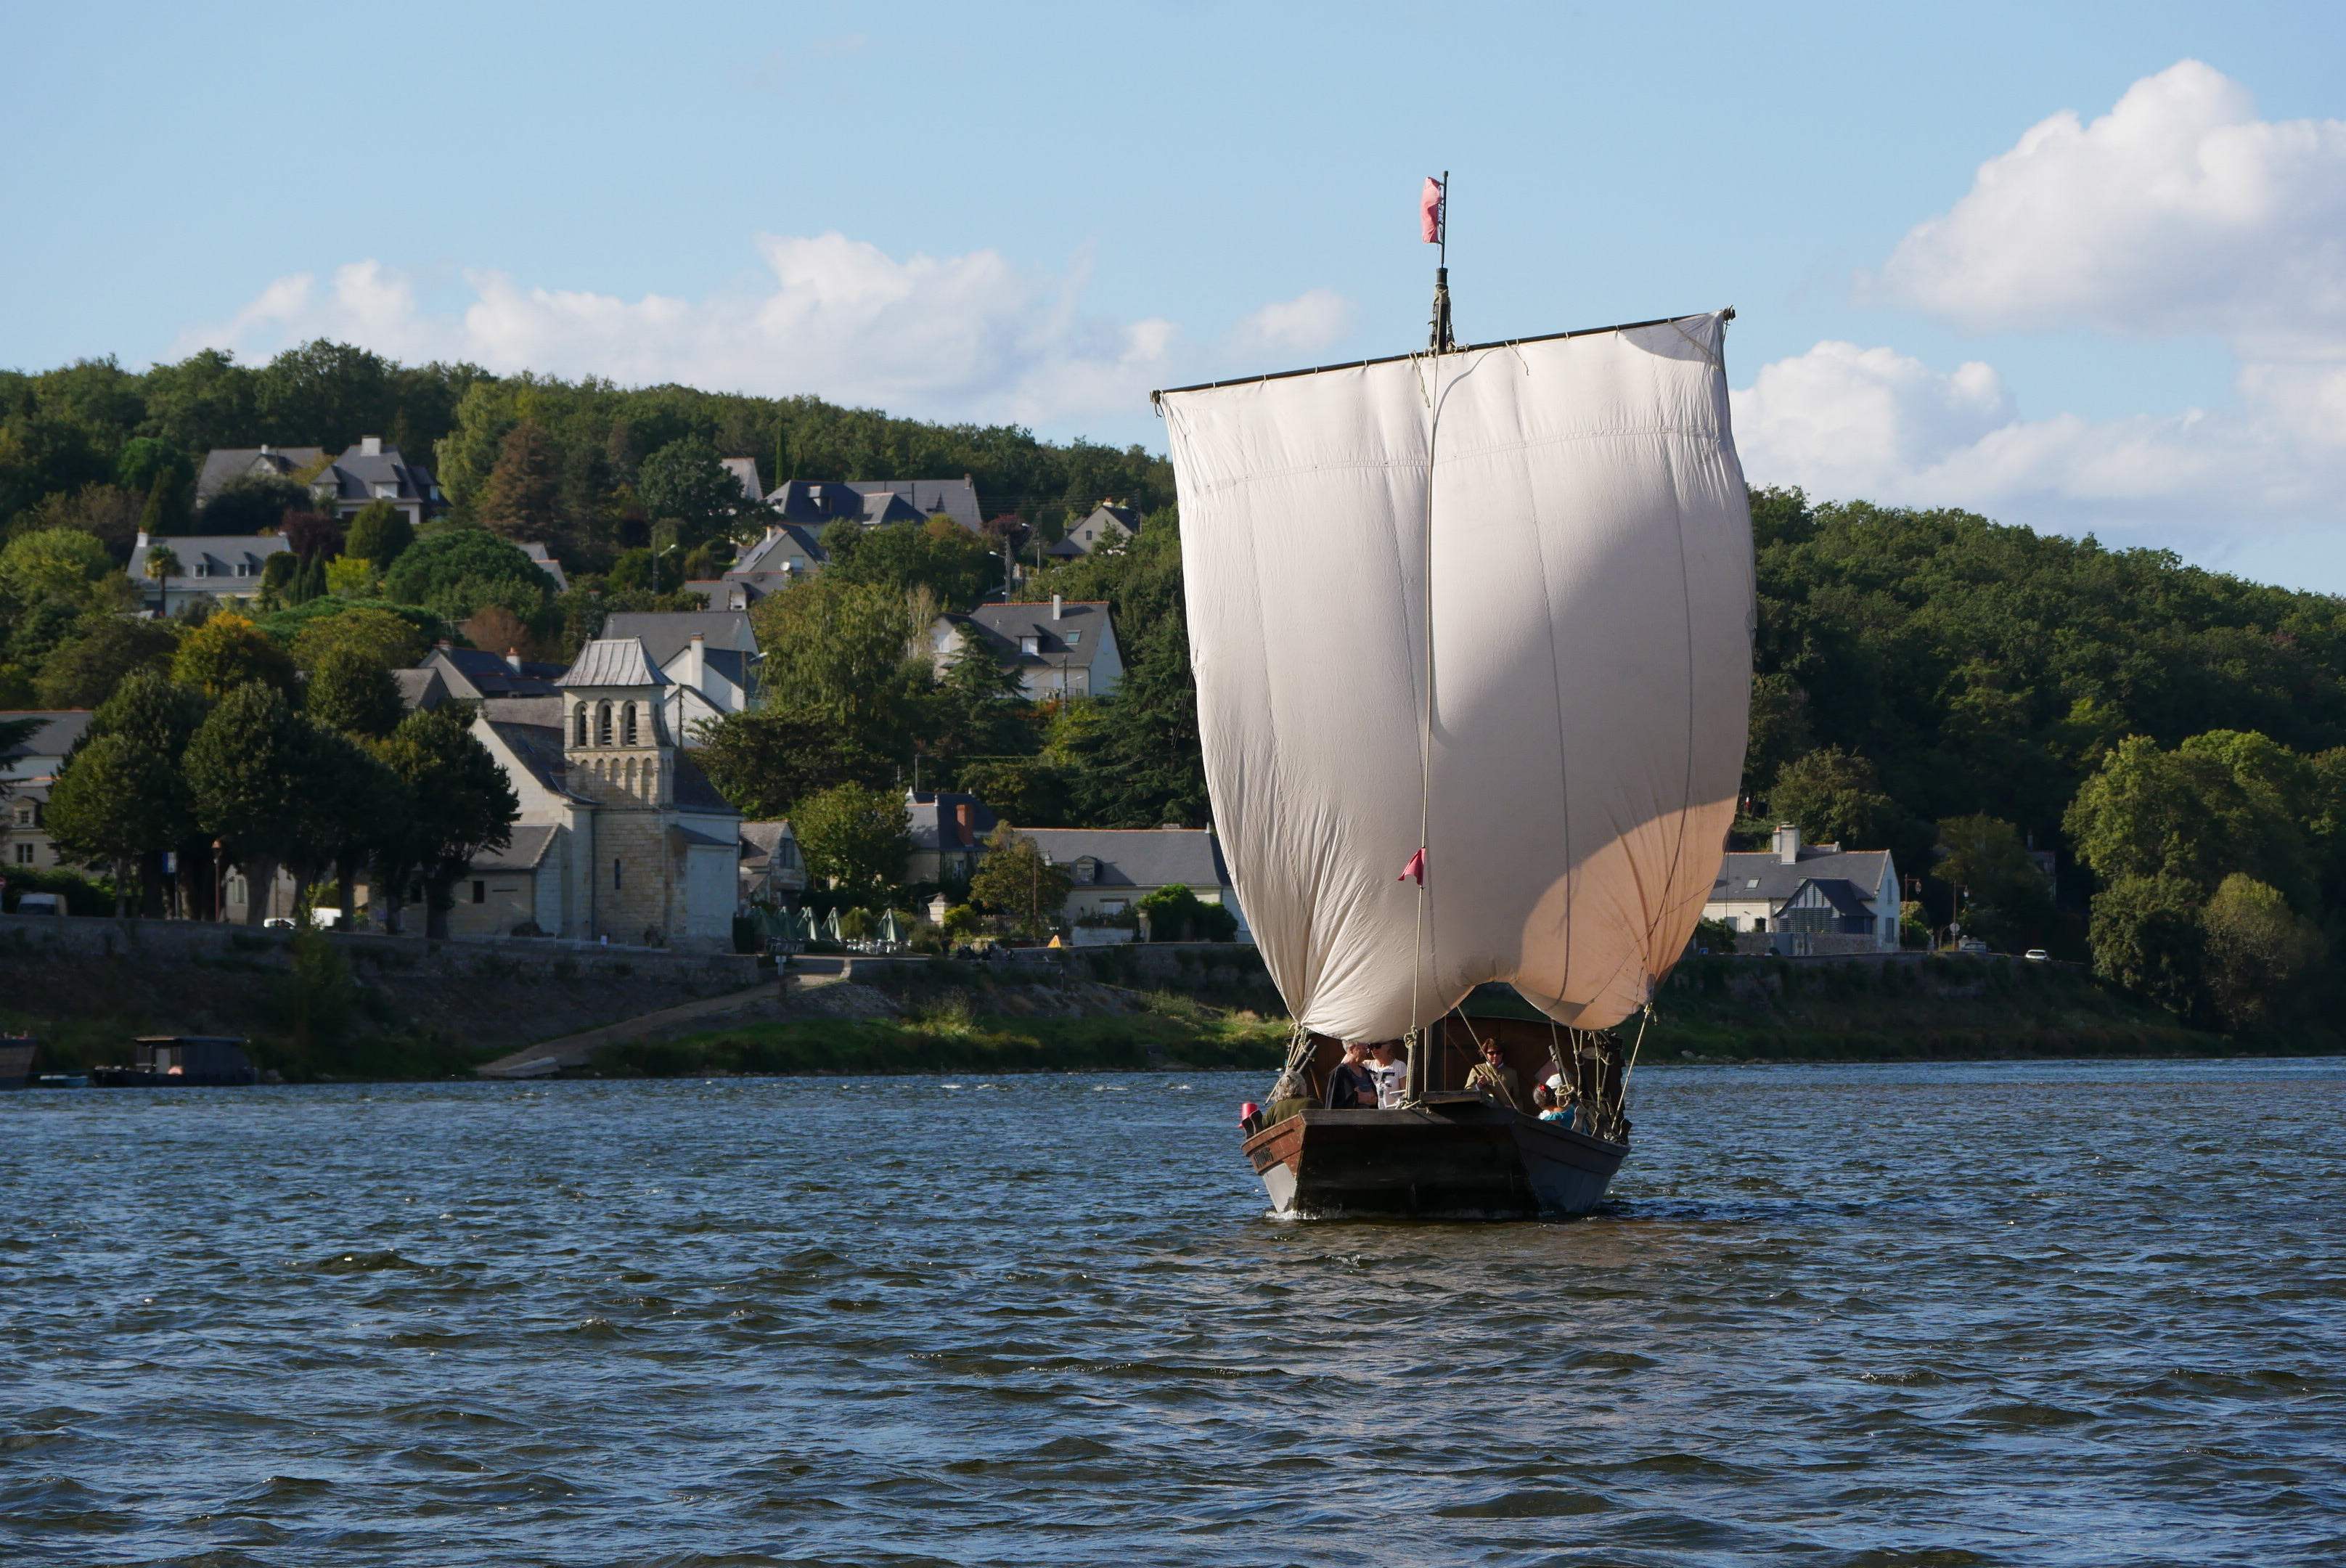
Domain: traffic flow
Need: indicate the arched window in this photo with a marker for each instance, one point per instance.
(582, 726)
(602, 724)
(630, 724)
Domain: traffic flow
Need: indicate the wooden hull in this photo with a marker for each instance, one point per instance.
(1458, 1157)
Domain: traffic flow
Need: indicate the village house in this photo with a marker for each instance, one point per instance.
(1793, 898)
(1113, 868)
(370, 471)
(948, 832)
(1110, 523)
(788, 553)
(22, 834)
(710, 656)
(222, 567)
(773, 871)
(1063, 648)
(27, 769)
(477, 675)
(223, 465)
(817, 503)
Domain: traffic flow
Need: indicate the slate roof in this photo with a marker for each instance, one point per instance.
(549, 565)
(478, 673)
(220, 554)
(694, 792)
(614, 661)
(1138, 857)
(54, 740)
(776, 546)
(1089, 526)
(1002, 627)
(420, 689)
(223, 464)
(744, 471)
(526, 850)
(1862, 868)
(538, 748)
(819, 501)
(666, 632)
(760, 840)
(545, 712)
(936, 821)
(352, 476)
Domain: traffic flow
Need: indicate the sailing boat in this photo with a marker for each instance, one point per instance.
(1482, 616)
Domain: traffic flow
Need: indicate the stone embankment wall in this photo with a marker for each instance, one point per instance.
(511, 958)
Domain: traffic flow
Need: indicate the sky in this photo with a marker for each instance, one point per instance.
(2078, 268)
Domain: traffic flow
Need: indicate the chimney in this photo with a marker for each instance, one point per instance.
(1788, 843)
(1058, 606)
(699, 646)
(370, 446)
(444, 643)
(961, 815)
(513, 660)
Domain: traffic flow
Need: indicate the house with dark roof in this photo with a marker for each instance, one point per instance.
(370, 471)
(710, 656)
(1793, 898)
(948, 832)
(25, 840)
(224, 465)
(476, 675)
(1113, 868)
(223, 567)
(41, 754)
(817, 503)
(1065, 648)
(1110, 523)
(788, 552)
(773, 871)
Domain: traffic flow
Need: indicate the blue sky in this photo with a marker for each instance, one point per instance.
(2134, 322)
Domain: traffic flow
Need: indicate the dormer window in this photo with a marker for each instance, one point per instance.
(203, 569)
(1086, 870)
(1030, 648)
(1075, 637)
(386, 490)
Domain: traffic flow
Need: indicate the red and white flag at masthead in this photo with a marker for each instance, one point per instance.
(1429, 211)
(1415, 870)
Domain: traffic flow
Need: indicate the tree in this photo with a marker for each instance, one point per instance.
(226, 652)
(245, 767)
(2007, 898)
(1836, 796)
(354, 693)
(352, 577)
(251, 503)
(500, 631)
(349, 802)
(1177, 915)
(524, 498)
(162, 562)
(1142, 763)
(392, 640)
(2256, 948)
(379, 532)
(160, 718)
(765, 760)
(54, 563)
(2147, 937)
(464, 804)
(855, 837)
(85, 670)
(113, 801)
(843, 651)
(1015, 879)
(2222, 802)
(455, 572)
(313, 536)
(979, 710)
(685, 483)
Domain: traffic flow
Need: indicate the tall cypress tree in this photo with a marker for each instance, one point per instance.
(523, 500)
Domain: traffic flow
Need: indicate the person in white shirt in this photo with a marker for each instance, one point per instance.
(1391, 1072)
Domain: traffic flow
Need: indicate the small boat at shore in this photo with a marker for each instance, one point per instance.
(1483, 617)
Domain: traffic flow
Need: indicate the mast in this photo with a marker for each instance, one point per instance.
(1441, 342)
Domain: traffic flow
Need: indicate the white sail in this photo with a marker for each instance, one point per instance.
(1591, 612)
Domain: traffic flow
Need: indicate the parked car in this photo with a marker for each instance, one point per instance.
(277, 922)
(2037, 956)
(1970, 944)
(40, 904)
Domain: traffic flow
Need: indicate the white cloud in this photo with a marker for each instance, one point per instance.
(1305, 324)
(969, 336)
(2177, 212)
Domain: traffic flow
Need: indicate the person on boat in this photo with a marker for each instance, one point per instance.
(1495, 1079)
(1390, 1070)
(1351, 1086)
(1555, 1103)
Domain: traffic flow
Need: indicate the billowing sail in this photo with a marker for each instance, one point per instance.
(1568, 517)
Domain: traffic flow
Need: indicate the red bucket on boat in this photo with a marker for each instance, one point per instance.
(1248, 1112)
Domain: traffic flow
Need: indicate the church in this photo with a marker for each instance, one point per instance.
(620, 836)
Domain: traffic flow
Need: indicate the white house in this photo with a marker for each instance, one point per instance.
(1110, 523)
(1113, 868)
(226, 567)
(1808, 898)
(370, 471)
(710, 656)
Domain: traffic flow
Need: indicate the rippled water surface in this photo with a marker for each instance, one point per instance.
(2058, 1313)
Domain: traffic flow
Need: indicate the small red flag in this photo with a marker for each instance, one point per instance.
(1415, 870)
(1429, 211)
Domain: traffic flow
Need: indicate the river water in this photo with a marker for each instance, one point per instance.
(1869, 1314)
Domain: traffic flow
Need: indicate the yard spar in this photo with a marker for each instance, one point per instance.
(1482, 616)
